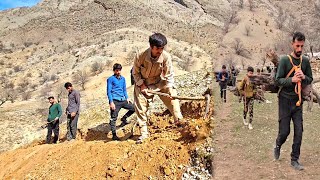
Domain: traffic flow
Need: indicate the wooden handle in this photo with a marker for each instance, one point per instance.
(176, 97)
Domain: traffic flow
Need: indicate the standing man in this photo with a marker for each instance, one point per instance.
(234, 73)
(248, 90)
(223, 77)
(288, 110)
(118, 98)
(55, 113)
(153, 70)
(72, 111)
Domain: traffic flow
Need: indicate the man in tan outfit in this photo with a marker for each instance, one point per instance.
(153, 70)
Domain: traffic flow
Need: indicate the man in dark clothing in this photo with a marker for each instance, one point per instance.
(55, 113)
(223, 77)
(118, 98)
(234, 73)
(131, 76)
(288, 109)
(72, 111)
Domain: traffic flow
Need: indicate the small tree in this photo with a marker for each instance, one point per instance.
(226, 27)
(251, 5)
(17, 68)
(240, 49)
(81, 77)
(266, 22)
(281, 18)
(241, 4)
(238, 46)
(26, 95)
(294, 26)
(232, 17)
(54, 77)
(96, 67)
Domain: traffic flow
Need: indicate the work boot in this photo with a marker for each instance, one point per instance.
(296, 165)
(245, 121)
(141, 139)
(180, 123)
(115, 137)
(276, 152)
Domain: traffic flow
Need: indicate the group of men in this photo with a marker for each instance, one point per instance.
(152, 72)
(72, 112)
(292, 70)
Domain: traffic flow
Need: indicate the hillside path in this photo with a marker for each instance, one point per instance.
(241, 153)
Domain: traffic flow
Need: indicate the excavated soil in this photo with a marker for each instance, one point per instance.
(165, 155)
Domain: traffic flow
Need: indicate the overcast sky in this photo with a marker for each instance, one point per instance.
(7, 4)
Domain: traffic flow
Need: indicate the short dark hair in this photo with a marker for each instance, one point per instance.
(157, 39)
(50, 97)
(258, 70)
(250, 69)
(298, 36)
(117, 66)
(67, 84)
(224, 67)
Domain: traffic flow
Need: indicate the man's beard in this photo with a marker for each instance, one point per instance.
(298, 54)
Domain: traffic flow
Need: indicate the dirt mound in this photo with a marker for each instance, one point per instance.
(167, 153)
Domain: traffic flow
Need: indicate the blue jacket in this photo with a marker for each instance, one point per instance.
(116, 88)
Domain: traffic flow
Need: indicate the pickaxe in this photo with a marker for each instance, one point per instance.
(205, 98)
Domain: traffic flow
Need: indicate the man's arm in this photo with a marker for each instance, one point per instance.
(169, 72)
(109, 88)
(308, 74)
(136, 72)
(59, 109)
(281, 79)
(219, 76)
(227, 76)
(77, 97)
(125, 88)
(241, 86)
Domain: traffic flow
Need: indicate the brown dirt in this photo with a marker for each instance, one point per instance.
(94, 156)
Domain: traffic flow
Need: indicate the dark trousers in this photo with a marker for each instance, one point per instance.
(223, 91)
(234, 80)
(287, 111)
(72, 125)
(53, 127)
(114, 113)
(248, 107)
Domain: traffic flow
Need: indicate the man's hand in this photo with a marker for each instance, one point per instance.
(223, 78)
(56, 119)
(300, 74)
(295, 79)
(73, 114)
(143, 89)
(112, 106)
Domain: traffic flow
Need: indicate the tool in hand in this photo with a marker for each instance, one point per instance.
(205, 98)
